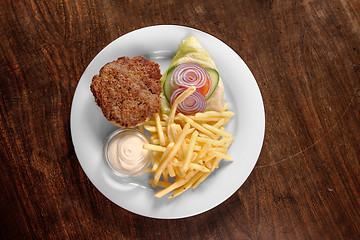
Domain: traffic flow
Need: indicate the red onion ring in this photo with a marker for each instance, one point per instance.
(196, 102)
(189, 74)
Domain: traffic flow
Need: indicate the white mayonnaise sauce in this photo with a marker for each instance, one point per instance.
(125, 152)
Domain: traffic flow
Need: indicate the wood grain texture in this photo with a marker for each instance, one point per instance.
(305, 56)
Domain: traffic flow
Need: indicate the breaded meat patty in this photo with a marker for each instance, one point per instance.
(128, 90)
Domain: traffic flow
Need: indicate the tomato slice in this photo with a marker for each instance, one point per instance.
(204, 90)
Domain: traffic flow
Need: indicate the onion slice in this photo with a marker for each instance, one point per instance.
(189, 74)
(196, 102)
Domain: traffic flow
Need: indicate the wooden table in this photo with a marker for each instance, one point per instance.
(305, 56)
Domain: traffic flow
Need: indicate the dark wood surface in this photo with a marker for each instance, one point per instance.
(305, 56)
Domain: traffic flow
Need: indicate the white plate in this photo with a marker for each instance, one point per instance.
(89, 128)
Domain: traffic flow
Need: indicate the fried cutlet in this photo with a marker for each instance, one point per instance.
(128, 90)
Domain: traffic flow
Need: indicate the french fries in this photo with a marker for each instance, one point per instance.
(186, 148)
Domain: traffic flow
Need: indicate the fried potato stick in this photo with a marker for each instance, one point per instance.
(189, 151)
(159, 129)
(176, 184)
(166, 153)
(154, 147)
(197, 126)
(180, 190)
(172, 154)
(217, 130)
(178, 100)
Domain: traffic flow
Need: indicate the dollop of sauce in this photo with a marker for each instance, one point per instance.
(126, 153)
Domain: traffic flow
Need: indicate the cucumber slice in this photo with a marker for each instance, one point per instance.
(214, 76)
(168, 90)
(164, 104)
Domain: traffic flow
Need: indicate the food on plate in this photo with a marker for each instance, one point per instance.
(187, 137)
(128, 90)
(192, 66)
(124, 152)
(186, 148)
